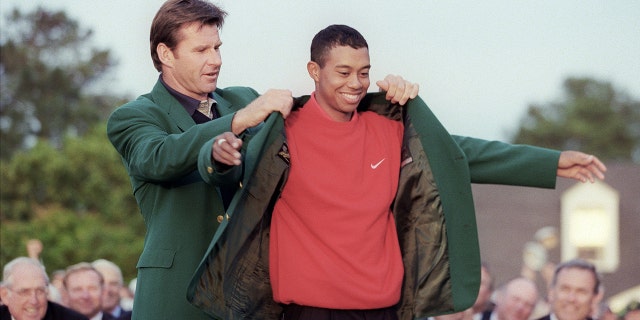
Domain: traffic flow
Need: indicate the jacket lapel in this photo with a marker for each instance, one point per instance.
(223, 106)
(174, 109)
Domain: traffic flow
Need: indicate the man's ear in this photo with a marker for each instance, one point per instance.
(165, 54)
(4, 293)
(314, 69)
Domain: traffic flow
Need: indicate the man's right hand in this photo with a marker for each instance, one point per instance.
(257, 111)
(226, 149)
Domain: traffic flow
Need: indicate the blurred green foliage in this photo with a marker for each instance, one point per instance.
(61, 180)
(76, 199)
(593, 117)
(53, 80)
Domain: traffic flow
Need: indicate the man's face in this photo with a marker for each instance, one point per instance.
(517, 301)
(342, 82)
(85, 292)
(112, 286)
(26, 295)
(193, 66)
(572, 295)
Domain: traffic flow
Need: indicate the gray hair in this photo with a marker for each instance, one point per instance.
(19, 262)
(103, 263)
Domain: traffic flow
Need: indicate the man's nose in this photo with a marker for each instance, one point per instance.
(355, 82)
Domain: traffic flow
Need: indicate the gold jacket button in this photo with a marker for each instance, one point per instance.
(220, 218)
(210, 170)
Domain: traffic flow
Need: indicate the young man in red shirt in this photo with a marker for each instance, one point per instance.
(334, 249)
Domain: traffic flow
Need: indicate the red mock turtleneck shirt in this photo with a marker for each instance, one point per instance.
(333, 237)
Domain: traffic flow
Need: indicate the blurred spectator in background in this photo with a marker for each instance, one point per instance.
(463, 315)
(24, 290)
(113, 285)
(632, 311)
(34, 249)
(128, 298)
(85, 289)
(607, 314)
(573, 289)
(57, 281)
(514, 301)
(483, 302)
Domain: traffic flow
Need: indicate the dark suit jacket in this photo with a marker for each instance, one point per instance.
(108, 316)
(548, 317)
(125, 315)
(159, 144)
(54, 312)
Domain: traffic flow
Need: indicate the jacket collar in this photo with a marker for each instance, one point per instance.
(165, 100)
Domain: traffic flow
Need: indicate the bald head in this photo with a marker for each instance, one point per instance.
(516, 300)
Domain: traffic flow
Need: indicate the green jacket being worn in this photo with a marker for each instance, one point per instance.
(159, 143)
(433, 210)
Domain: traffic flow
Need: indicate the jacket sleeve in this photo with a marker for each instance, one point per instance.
(153, 147)
(213, 173)
(495, 162)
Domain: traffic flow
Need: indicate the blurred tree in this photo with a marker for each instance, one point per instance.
(48, 71)
(76, 199)
(594, 117)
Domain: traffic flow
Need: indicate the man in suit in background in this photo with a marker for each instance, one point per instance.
(113, 283)
(573, 288)
(24, 293)
(514, 301)
(85, 290)
(483, 301)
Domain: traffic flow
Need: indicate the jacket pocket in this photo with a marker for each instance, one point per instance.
(156, 258)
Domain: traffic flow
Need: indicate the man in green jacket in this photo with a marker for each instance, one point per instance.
(431, 208)
(159, 136)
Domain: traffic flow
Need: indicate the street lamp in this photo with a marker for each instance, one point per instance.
(590, 225)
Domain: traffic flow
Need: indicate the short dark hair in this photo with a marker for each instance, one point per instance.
(578, 264)
(176, 13)
(333, 36)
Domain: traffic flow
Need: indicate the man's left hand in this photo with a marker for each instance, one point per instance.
(398, 90)
(580, 166)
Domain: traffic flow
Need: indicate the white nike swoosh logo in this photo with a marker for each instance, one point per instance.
(374, 166)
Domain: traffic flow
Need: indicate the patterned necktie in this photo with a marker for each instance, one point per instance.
(205, 107)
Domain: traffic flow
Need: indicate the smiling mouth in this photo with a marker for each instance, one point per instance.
(353, 98)
(31, 310)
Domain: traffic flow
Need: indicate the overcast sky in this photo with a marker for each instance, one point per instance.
(479, 63)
